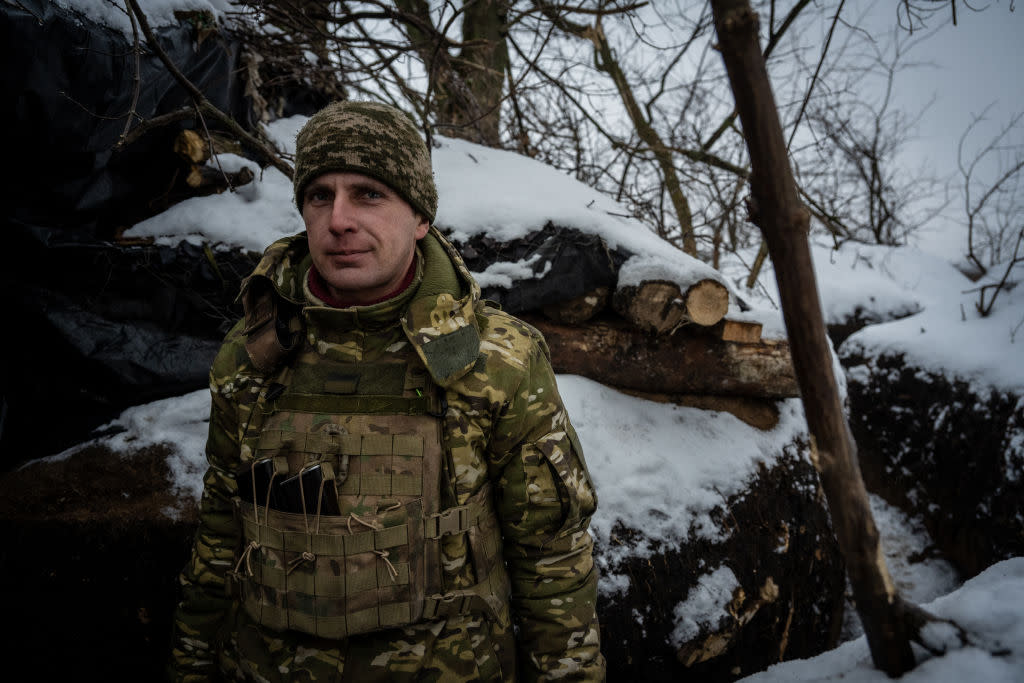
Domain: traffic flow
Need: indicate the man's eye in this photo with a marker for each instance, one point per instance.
(373, 194)
(318, 196)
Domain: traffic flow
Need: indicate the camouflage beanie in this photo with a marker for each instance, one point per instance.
(369, 138)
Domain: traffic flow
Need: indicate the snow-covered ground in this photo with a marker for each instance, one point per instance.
(989, 607)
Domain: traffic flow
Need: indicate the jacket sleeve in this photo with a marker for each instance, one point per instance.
(545, 501)
(203, 602)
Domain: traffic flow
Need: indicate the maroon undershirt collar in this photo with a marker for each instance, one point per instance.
(318, 287)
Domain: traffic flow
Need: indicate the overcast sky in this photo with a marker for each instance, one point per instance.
(978, 62)
(964, 69)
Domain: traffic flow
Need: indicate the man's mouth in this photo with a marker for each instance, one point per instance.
(342, 253)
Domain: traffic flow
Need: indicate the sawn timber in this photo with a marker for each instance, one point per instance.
(678, 363)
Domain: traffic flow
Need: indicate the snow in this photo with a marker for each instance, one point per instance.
(251, 217)
(919, 577)
(936, 340)
(180, 422)
(989, 606)
(709, 598)
(652, 267)
(159, 13)
(679, 461)
(858, 280)
(507, 196)
(682, 462)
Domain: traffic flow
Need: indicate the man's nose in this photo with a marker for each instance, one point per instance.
(343, 217)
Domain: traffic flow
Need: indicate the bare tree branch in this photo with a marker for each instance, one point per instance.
(201, 103)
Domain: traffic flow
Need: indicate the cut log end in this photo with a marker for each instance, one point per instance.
(740, 331)
(707, 302)
(191, 147)
(661, 307)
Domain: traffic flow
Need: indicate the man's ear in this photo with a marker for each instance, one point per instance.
(422, 227)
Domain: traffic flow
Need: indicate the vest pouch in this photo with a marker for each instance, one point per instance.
(311, 491)
(331, 576)
(489, 565)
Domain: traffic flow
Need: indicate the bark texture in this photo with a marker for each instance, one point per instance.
(777, 211)
(668, 364)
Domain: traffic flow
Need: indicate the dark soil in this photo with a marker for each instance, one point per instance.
(90, 564)
(937, 450)
(778, 529)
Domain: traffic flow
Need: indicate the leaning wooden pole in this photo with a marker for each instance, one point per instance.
(777, 210)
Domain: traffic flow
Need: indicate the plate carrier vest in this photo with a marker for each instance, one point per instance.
(376, 431)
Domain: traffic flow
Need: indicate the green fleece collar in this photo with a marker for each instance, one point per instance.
(440, 321)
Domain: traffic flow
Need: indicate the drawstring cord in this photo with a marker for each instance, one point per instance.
(372, 525)
(383, 554)
(255, 505)
(255, 497)
(266, 507)
(253, 545)
(306, 556)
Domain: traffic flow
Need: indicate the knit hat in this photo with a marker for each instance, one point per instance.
(374, 139)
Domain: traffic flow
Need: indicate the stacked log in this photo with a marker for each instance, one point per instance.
(671, 334)
(662, 307)
(194, 151)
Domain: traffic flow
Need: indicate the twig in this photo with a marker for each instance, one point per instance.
(202, 104)
(136, 78)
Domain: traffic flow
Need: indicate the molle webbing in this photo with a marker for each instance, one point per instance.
(397, 405)
(334, 582)
(374, 428)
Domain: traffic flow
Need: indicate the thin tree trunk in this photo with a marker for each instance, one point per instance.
(468, 89)
(777, 210)
(605, 61)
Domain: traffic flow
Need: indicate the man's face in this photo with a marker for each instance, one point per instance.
(362, 235)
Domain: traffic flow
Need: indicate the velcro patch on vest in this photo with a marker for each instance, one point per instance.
(367, 379)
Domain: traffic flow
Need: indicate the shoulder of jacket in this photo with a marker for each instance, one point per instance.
(509, 337)
(281, 267)
(232, 367)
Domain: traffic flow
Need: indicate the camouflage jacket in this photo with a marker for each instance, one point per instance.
(505, 424)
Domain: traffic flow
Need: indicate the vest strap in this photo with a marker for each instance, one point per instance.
(462, 518)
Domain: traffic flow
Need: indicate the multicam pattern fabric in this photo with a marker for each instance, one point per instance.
(370, 138)
(504, 426)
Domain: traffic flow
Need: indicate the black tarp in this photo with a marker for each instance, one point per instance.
(571, 262)
(69, 84)
(93, 326)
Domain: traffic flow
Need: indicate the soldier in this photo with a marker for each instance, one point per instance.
(395, 491)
